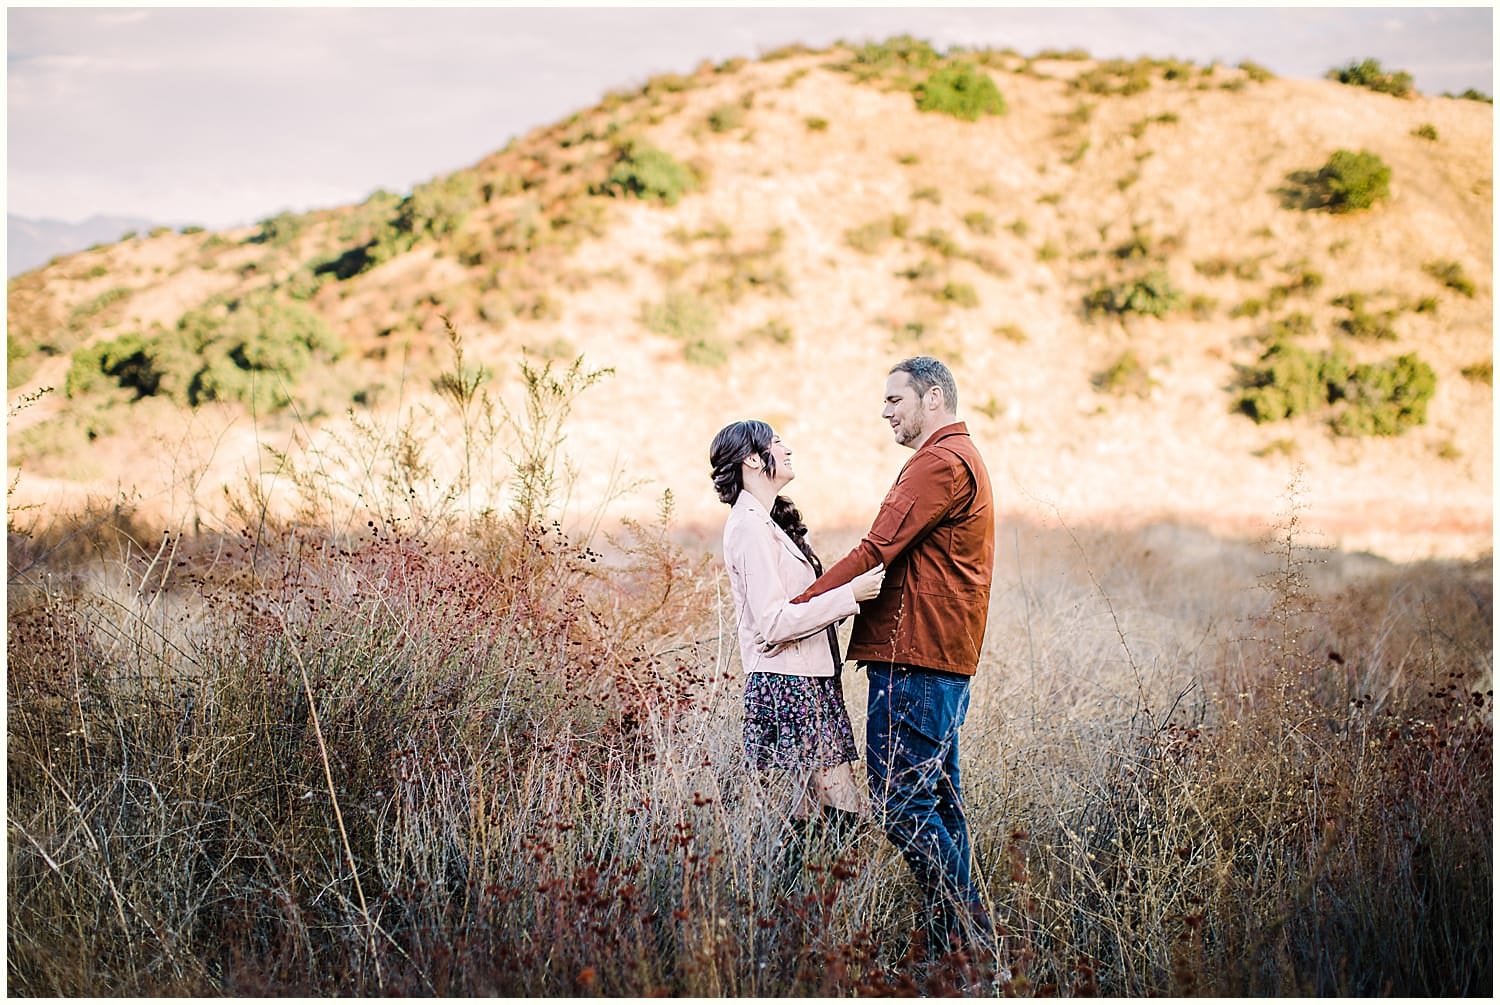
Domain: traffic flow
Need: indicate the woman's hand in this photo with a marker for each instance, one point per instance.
(766, 648)
(867, 584)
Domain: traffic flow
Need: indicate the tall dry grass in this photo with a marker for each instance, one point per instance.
(448, 752)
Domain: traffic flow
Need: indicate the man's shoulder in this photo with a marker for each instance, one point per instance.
(957, 447)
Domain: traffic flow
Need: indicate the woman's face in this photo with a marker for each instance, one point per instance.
(782, 455)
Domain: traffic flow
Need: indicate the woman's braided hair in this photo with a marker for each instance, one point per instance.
(731, 445)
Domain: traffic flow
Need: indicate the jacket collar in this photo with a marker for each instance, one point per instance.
(751, 508)
(956, 428)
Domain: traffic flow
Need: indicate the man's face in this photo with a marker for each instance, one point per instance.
(903, 408)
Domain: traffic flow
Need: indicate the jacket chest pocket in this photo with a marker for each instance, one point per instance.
(891, 516)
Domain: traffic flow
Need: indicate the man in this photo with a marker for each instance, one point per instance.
(919, 641)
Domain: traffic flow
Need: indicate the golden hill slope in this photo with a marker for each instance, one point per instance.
(804, 290)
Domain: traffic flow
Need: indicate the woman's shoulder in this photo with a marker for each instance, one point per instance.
(743, 523)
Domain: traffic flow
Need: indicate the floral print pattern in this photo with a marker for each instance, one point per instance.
(796, 722)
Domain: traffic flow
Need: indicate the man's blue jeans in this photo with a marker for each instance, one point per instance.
(911, 745)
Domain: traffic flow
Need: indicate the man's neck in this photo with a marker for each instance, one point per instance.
(938, 423)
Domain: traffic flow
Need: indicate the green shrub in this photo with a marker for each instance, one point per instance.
(86, 310)
(303, 284)
(252, 352)
(1426, 131)
(119, 362)
(1256, 72)
(980, 223)
(775, 331)
(1291, 381)
(439, 207)
(682, 316)
(726, 117)
(1369, 326)
(1012, 333)
(1151, 294)
(1450, 274)
(1289, 327)
(1074, 55)
(815, 123)
(646, 172)
(1351, 181)
(1048, 252)
(1363, 323)
(786, 52)
(961, 90)
(873, 235)
(1303, 281)
(667, 83)
(1470, 94)
(896, 56)
(1126, 375)
(709, 351)
(939, 241)
(959, 294)
(1369, 73)
(1280, 447)
(1139, 246)
(281, 229)
(1385, 399)
(928, 194)
(1365, 399)
(1480, 372)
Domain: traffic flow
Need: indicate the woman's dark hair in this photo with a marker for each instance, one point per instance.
(730, 447)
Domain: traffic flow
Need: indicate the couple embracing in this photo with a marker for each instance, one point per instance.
(918, 587)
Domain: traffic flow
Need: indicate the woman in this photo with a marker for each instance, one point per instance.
(795, 718)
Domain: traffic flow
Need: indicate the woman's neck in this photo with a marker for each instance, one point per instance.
(763, 490)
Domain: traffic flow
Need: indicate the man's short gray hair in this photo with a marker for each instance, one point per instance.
(925, 373)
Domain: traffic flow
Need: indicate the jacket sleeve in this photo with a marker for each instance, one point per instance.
(767, 605)
(923, 494)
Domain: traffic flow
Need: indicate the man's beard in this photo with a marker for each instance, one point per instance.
(909, 431)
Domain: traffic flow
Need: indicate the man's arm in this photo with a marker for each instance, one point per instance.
(752, 550)
(922, 496)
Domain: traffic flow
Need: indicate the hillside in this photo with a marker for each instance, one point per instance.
(816, 227)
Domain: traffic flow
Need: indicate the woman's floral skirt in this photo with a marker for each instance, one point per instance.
(796, 722)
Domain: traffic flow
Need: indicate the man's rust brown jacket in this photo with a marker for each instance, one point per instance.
(935, 532)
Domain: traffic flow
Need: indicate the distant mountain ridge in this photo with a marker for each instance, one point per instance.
(31, 242)
(1102, 256)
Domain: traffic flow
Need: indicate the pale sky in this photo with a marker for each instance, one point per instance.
(226, 116)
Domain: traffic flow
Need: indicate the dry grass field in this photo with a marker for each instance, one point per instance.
(440, 753)
(393, 656)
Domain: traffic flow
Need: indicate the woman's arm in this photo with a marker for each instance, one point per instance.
(753, 551)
